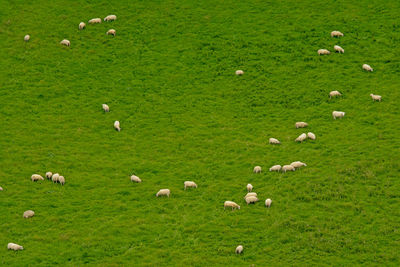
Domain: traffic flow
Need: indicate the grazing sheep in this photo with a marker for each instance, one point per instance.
(239, 249)
(323, 52)
(311, 135)
(249, 188)
(61, 179)
(187, 184)
(110, 18)
(367, 67)
(338, 114)
(13, 246)
(94, 21)
(111, 32)
(252, 194)
(26, 38)
(117, 126)
(301, 138)
(48, 175)
(338, 49)
(55, 177)
(251, 199)
(29, 214)
(136, 179)
(301, 124)
(65, 42)
(1, 188)
(274, 141)
(334, 93)
(286, 168)
(36, 177)
(82, 25)
(275, 168)
(298, 164)
(336, 34)
(257, 169)
(231, 204)
(376, 97)
(163, 192)
(268, 202)
(106, 108)
(239, 72)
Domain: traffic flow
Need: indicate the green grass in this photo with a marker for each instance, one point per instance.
(168, 77)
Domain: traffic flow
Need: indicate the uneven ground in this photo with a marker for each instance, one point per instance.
(168, 76)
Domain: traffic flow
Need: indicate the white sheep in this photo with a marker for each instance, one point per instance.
(311, 135)
(26, 38)
(106, 108)
(231, 204)
(136, 179)
(249, 188)
(55, 177)
(274, 141)
(298, 164)
(323, 52)
(48, 175)
(301, 124)
(65, 42)
(163, 192)
(239, 249)
(111, 32)
(376, 97)
(239, 72)
(334, 93)
(275, 168)
(1, 188)
(251, 194)
(61, 179)
(367, 67)
(257, 169)
(187, 184)
(82, 25)
(301, 138)
(338, 49)
(336, 34)
(36, 177)
(29, 214)
(94, 21)
(251, 199)
(286, 168)
(338, 114)
(117, 126)
(110, 18)
(268, 202)
(13, 246)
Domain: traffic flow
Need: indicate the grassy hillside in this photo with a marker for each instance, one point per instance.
(168, 77)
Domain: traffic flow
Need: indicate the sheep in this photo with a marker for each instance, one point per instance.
(94, 21)
(275, 168)
(286, 168)
(48, 175)
(301, 124)
(338, 49)
(252, 194)
(297, 164)
(336, 34)
(1, 188)
(257, 169)
(106, 108)
(55, 177)
(111, 32)
(36, 177)
(249, 188)
(117, 126)
(239, 249)
(251, 199)
(323, 52)
(274, 141)
(376, 97)
(136, 179)
(268, 202)
(334, 93)
(338, 114)
(65, 42)
(29, 214)
(187, 184)
(13, 246)
(231, 204)
(82, 25)
(301, 138)
(163, 192)
(110, 18)
(311, 135)
(61, 179)
(27, 37)
(367, 67)
(239, 72)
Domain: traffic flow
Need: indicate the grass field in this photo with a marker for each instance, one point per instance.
(169, 78)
